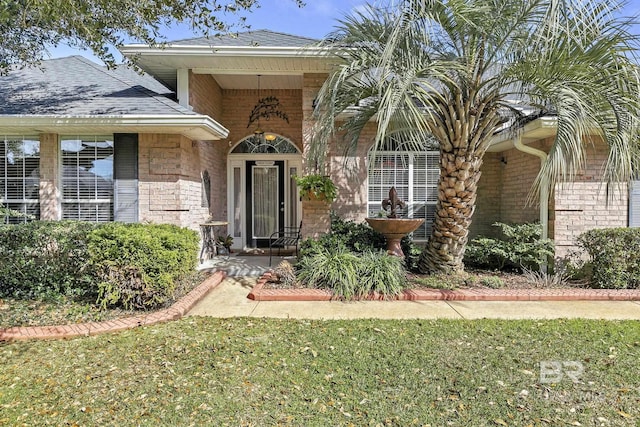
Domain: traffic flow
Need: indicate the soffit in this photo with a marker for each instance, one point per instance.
(281, 68)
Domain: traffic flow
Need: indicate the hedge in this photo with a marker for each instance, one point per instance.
(139, 265)
(44, 259)
(615, 257)
(129, 265)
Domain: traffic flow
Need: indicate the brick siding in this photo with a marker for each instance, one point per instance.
(574, 207)
(50, 179)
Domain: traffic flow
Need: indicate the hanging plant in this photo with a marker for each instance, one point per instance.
(316, 187)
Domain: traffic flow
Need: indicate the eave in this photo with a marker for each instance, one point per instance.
(196, 127)
(541, 128)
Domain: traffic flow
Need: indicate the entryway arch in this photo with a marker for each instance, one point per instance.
(262, 196)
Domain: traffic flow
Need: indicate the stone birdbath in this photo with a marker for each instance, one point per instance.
(393, 228)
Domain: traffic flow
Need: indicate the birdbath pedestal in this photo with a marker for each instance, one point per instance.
(394, 229)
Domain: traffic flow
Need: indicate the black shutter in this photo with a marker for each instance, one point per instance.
(125, 174)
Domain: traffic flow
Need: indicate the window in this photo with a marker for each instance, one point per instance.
(87, 178)
(261, 144)
(20, 178)
(413, 172)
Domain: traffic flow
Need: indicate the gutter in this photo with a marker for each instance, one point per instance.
(544, 187)
(186, 123)
(251, 51)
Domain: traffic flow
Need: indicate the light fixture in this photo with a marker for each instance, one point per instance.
(258, 131)
(266, 107)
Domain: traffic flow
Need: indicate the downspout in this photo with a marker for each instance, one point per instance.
(544, 188)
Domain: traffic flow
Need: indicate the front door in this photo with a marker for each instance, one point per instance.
(265, 200)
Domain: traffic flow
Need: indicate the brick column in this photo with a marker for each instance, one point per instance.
(316, 220)
(50, 179)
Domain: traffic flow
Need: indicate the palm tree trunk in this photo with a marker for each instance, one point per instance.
(457, 189)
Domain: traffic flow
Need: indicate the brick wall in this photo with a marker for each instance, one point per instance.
(170, 185)
(350, 175)
(50, 185)
(489, 199)
(574, 207)
(518, 176)
(205, 95)
(237, 106)
(587, 203)
(315, 215)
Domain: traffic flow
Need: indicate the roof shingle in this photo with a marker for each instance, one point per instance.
(264, 38)
(75, 86)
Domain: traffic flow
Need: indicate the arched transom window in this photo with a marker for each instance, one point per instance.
(413, 169)
(267, 143)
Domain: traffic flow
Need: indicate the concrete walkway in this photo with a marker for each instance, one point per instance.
(229, 299)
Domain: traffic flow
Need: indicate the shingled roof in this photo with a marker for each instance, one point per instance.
(75, 86)
(73, 94)
(264, 38)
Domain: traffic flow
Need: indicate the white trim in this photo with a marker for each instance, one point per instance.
(182, 91)
(535, 130)
(239, 161)
(194, 126)
(259, 51)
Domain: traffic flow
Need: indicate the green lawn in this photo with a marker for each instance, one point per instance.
(204, 371)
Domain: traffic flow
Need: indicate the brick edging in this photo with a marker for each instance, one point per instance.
(258, 293)
(176, 311)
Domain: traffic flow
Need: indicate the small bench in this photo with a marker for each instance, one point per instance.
(286, 236)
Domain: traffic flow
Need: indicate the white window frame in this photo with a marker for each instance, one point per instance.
(28, 206)
(400, 167)
(85, 208)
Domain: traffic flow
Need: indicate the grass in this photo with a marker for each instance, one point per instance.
(260, 372)
(64, 310)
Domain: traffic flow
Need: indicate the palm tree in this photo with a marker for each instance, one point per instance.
(463, 70)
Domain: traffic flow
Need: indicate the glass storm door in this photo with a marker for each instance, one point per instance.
(265, 200)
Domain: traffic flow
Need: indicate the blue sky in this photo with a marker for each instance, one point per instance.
(316, 19)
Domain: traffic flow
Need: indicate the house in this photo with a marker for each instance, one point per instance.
(218, 128)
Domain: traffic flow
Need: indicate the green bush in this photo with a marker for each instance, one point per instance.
(128, 265)
(358, 238)
(381, 273)
(138, 265)
(350, 275)
(518, 247)
(615, 257)
(330, 269)
(46, 260)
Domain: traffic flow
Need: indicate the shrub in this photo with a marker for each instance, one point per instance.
(350, 275)
(381, 273)
(358, 238)
(518, 247)
(46, 260)
(493, 282)
(139, 265)
(615, 257)
(330, 269)
(285, 274)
